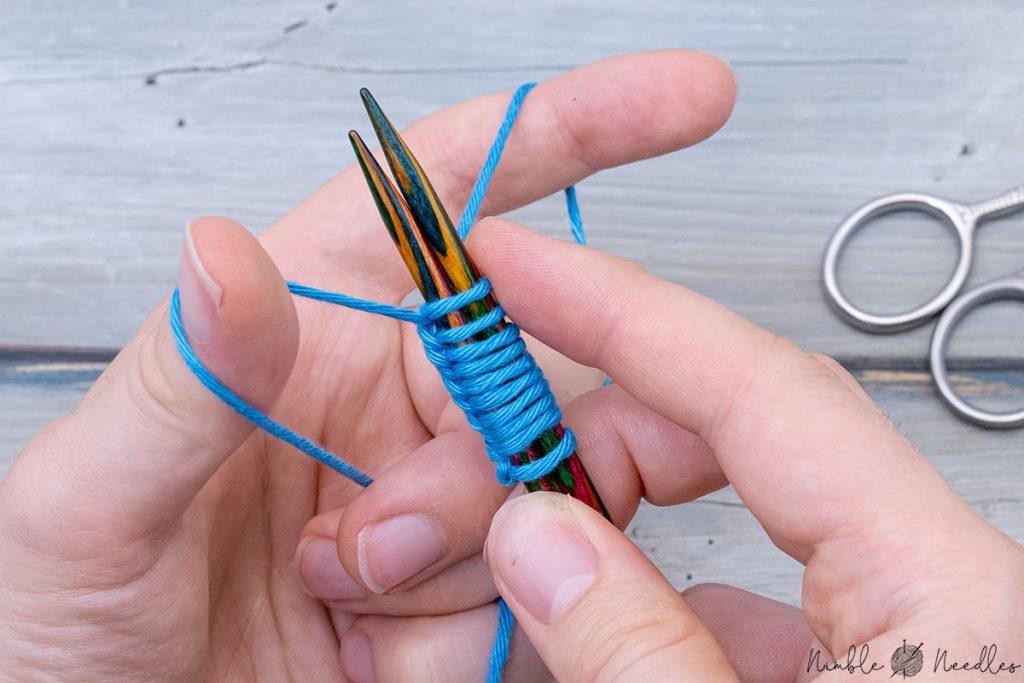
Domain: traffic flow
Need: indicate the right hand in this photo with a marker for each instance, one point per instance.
(892, 554)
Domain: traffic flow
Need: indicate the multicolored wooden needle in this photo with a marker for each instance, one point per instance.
(441, 267)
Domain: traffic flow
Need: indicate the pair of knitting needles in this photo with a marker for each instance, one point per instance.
(441, 267)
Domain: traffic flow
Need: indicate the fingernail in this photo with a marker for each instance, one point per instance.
(200, 294)
(322, 573)
(541, 554)
(357, 656)
(396, 549)
(517, 491)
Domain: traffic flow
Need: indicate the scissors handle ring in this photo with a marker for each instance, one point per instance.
(961, 219)
(1011, 287)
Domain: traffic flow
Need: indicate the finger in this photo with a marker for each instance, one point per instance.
(807, 454)
(633, 452)
(590, 601)
(465, 586)
(454, 647)
(600, 115)
(405, 530)
(837, 369)
(612, 112)
(765, 640)
(425, 514)
(149, 435)
(604, 114)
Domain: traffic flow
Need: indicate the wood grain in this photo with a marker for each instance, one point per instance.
(124, 120)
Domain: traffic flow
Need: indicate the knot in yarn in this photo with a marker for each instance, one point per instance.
(490, 374)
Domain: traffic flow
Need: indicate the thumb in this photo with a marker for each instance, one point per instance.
(148, 435)
(591, 603)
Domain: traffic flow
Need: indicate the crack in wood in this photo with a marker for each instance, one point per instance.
(855, 364)
(55, 354)
(999, 377)
(152, 77)
(719, 503)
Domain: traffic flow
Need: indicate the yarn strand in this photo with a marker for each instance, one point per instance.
(495, 380)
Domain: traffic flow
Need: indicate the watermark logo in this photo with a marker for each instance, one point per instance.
(910, 659)
(907, 660)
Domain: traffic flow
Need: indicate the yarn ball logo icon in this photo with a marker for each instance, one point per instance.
(907, 661)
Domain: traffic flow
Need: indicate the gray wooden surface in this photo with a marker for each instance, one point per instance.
(124, 119)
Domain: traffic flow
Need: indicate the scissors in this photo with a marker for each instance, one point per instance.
(963, 219)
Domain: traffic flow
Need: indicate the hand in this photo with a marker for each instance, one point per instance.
(151, 533)
(892, 554)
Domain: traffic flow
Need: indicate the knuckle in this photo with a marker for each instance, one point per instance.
(834, 366)
(155, 387)
(615, 327)
(628, 652)
(826, 360)
(755, 372)
(620, 648)
(578, 147)
(709, 590)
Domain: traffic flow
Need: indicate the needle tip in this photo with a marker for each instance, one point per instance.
(373, 109)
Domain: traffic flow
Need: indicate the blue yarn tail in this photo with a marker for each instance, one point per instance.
(502, 640)
(250, 412)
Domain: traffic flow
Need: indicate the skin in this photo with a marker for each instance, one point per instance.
(814, 460)
(152, 534)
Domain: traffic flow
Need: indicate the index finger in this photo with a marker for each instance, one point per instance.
(805, 452)
(596, 116)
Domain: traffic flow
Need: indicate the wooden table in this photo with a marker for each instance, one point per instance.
(121, 120)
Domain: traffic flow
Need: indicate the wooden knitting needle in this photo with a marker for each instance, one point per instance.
(441, 266)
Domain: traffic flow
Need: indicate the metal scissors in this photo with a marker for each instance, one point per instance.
(963, 219)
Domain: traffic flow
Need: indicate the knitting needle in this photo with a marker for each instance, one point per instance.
(441, 267)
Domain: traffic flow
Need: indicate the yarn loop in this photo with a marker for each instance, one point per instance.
(483, 363)
(496, 382)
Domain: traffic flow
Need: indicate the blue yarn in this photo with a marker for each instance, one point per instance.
(339, 299)
(496, 382)
(476, 195)
(575, 219)
(251, 413)
(502, 639)
(494, 379)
